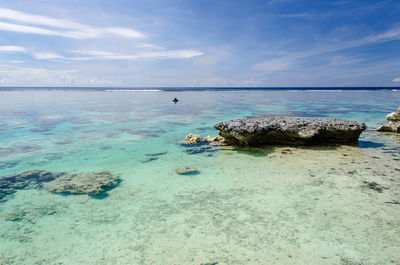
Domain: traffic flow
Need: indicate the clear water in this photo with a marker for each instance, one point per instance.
(281, 205)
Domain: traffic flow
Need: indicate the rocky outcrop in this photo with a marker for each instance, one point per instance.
(192, 139)
(290, 131)
(393, 122)
(92, 183)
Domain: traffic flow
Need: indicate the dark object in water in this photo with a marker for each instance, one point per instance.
(148, 159)
(175, 100)
(91, 183)
(29, 179)
(159, 153)
(202, 148)
(375, 186)
(393, 202)
(16, 216)
(290, 131)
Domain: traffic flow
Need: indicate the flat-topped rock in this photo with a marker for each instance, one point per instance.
(393, 122)
(290, 131)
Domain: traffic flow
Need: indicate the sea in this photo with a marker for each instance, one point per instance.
(333, 204)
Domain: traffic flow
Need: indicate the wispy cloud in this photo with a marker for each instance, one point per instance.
(308, 16)
(59, 27)
(396, 79)
(47, 56)
(287, 61)
(96, 55)
(12, 49)
(87, 55)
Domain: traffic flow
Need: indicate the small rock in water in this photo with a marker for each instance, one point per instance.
(148, 159)
(375, 186)
(156, 153)
(175, 100)
(192, 139)
(16, 216)
(393, 202)
(187, 171)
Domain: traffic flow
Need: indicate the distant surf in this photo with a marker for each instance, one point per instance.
(197, 89)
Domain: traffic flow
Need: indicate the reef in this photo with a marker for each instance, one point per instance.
(91, 183)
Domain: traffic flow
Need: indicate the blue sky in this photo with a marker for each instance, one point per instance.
(138, 43)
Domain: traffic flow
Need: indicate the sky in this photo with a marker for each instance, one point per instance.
(203, 43)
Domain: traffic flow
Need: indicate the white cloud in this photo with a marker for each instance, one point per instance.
(12, 49)
(396, 79)
(88, 55)
(47, 56)
(27, 29)
(308, 16)
(95, 55)
(64, 28)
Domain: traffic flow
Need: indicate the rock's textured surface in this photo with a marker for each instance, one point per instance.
(290, 131)
(192, 139)
(91, 183)
(187, 171)
(393, 122)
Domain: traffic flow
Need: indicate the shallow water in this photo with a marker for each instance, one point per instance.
(281, 205)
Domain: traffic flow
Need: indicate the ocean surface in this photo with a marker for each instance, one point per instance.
(272, 205)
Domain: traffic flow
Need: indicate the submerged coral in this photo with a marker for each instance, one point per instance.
(91, 183)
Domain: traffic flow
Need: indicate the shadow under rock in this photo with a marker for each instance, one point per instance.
(369, 144)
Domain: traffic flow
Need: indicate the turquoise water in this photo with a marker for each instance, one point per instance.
(281, 205)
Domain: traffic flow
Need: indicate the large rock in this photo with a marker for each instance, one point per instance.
(290, 131)
(393, 122)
